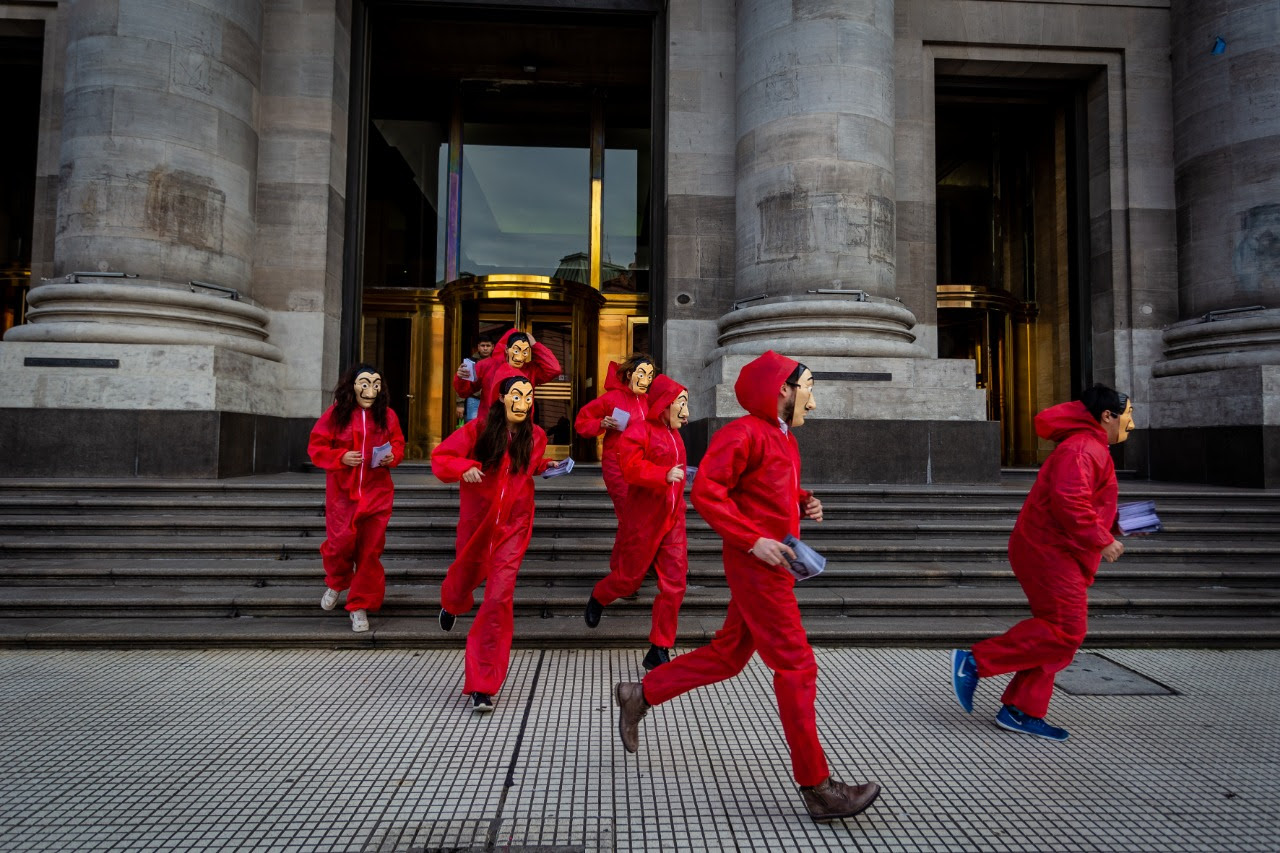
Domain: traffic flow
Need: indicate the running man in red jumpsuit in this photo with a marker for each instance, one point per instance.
(1062, 534)
(496, 460)
(515, 354)
(748, 490)
(651, 530)
(625, 387)
(357, 494)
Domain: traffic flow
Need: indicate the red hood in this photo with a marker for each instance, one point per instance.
(1057, 422)
(500, 348)
(662, 393)
(611, 380)
(758, 384)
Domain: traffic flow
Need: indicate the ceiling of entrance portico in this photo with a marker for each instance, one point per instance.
(421, 49)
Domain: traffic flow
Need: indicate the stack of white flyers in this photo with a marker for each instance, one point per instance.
(622, 416)
(808, 562)
(558, 469)
(1138, 517)
(471, 369)
(382, 451)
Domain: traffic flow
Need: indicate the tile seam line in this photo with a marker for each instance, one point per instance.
(510, 781)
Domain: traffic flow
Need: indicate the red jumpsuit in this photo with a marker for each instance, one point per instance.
(543, 366)
(494, 526)
(587, 424)
(748, 486)
(1055, 550)
(357, 503)
(651, 525)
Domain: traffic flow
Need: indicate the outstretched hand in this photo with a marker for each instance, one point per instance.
(473, 475)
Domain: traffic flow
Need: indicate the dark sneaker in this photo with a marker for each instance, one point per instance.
(832, 800)
(593, 611)
(481, 703)
(446, 620)
(657, 657)
(1015, 721)
(964, 678)
(630, 698)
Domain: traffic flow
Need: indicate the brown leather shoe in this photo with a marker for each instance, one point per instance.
(630, 698)
(832, 800)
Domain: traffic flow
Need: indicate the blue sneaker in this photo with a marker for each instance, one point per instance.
(964, 678)
(1015, 721)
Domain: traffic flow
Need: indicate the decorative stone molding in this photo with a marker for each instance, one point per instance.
(878, 328)
(1220, 342)
(142, 312)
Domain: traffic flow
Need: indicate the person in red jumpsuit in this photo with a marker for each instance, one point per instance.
(625, 387)
(1061, 536)
(748, 490)
(496, 460)
(358, 493)
(651, 529)
(515, 354)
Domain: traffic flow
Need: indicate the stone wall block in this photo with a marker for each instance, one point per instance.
(113, 61)
(88, 112)
(184, 24)
(866, 139)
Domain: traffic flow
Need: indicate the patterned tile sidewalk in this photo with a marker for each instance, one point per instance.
(376, 750)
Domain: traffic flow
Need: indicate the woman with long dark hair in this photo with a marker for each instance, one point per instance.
(356, 441)
(495, 460)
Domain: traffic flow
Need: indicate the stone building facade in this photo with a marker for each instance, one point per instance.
(954, 211)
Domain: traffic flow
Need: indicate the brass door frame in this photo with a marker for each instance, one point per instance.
(1008, 348)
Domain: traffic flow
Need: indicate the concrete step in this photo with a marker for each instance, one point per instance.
(307, 570)
(196, 601)
(405, 524)
(905, 546)
(332, 630)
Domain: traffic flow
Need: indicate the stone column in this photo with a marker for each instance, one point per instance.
(815, 181)
(1226, 347)
(157, 180)
(815, 277)
(157, 177)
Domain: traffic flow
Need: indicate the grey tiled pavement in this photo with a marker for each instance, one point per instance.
(377, 750)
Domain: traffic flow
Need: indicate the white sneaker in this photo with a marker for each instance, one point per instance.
(359, 621)
(330, 599)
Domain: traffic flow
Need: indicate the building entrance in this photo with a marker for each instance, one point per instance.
(1007, 287)
(507, 184)
(21, 50)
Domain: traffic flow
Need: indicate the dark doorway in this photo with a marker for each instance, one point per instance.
(1007, 283)
(21, 51)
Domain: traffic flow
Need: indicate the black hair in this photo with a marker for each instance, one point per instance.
(794, 378)
(516, 337)
(1100, 398)
(499, 437)
(344, 396)
(628, 367)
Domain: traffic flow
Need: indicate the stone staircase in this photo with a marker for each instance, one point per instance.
(144, 563)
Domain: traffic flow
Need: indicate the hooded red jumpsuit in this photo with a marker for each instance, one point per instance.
(543, 366)
(618, 395)
(494, 526)
(357, 503)
(651, 525)
(1055, 550)
(748, 486)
